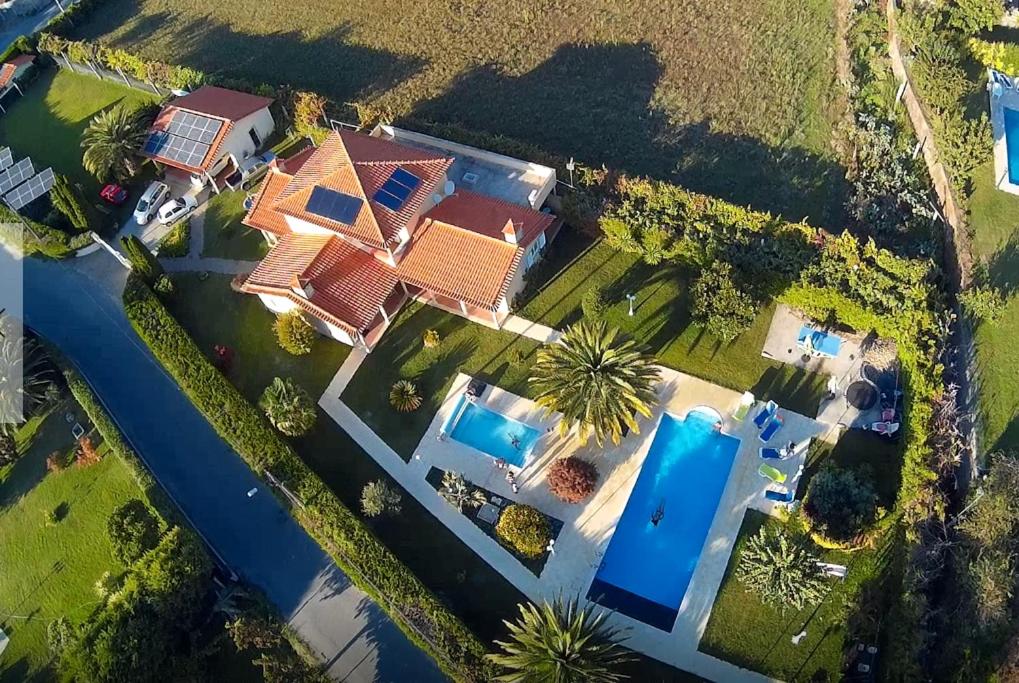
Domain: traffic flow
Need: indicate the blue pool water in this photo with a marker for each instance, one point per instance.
(492, 433)
(1012, 143)
(647, 568)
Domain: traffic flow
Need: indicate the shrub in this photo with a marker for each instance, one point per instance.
(59, 635)
(378, 498)
(719, 305)
(840, 503)
(142, 261)
(973, 16)
(294, 333)
(965, 143)
(983, 303)
(525, 529)
(164, 286)
(67, 199)
(288, 406)
(56, 462)
(456, 491)
(937, 70)
(1000, 56)
(133, 530)
(8, 449)
(781, 569)
(404, 396)
(177, 242)
(593, 303)
(254, 632)
(88, 455)
(431, 339)
(571, 479)
(105, 585)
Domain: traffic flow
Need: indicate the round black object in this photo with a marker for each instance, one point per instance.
(861, 395)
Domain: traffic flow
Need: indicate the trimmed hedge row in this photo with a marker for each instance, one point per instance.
(368, 563)
(41, 238)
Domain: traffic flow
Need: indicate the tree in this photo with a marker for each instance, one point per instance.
(254, 632)
(974, 16)
(404, 396)
(26, 376)
(133, 530)
(524, 528)
(288, 406)
(88, 454)
(593, 303)
(983, 303)
(459, 493)
(68, 200)
(560, 643)
(143, 261)
(719, 305)
(782, 569)
(571, 479)
(111, 141)
(598, 379)
(840, 503)
(294, 333)
(379, 498)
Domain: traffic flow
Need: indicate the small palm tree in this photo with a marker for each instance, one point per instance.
(404, 396)
(458, 493)
(560, 643)
(289, 407)
(597, 379)
(782, 569)
(111, 141)
(26, 379)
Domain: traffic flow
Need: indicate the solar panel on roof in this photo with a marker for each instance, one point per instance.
(16, 174)
(333, 205)
(396, 189)
(31, 190)
(176, 148)
(6, 158)
(194, 127)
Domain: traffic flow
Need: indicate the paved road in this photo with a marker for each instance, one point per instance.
(255, 536)
(14, 26)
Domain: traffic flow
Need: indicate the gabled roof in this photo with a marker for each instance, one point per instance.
(489, 216)
(221, 103)
(358, 165)
(9, 67)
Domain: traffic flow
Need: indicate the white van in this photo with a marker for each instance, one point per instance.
(251, 169)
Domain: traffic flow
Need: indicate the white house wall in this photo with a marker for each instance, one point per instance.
(238, 143)
(280, 304)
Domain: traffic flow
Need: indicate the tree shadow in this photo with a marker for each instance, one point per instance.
(1003, 266)
(594, 102)
(1008, 440)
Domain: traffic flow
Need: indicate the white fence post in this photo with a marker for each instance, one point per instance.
(116, 254)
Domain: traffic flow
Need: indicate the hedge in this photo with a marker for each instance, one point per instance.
(40, 238)
(996, 55)
(368, 563)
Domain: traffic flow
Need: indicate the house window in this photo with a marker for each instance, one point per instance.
(534, 251)
(253, 134)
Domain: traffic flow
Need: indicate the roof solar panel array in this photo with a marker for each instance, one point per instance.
(194, 127)
(31, 190)
(335, 206)
(396, 189)
(16, 174)
(6, 158)
(176, 148)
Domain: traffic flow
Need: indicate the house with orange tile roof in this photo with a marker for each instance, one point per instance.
(365, 222)
(208, 133)
(12, 71)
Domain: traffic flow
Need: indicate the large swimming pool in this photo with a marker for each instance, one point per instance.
(1012, 144)
(647, 567)
(491, 433)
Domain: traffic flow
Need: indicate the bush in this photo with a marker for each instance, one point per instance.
(840, 503)
(88, 455)
(289, 407)
(8, 449)
(404, 396)
(965, 144)
(56, 462)
(133, 530)
(781, 569)
(571, 479)
(719, 305)
(379, 498)
(973, 16)
(431, 339)
(294, 333)
(177, 242)
(459, 493)
(593, 303)
(59, 635)
(983, 303)
(525, 529)
(143, 262)
(105, 585)
(1000, 56)
(164, 286)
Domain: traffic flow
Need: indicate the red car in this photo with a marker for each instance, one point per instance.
(114, 194)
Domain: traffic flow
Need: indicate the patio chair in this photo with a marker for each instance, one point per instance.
(837, 570)
(775, 453)
(765, 414)
(772, 473)
(746, 402)
(771, 429)
(780, 496)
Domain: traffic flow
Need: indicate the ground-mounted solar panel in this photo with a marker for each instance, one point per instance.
(16, 174)
(30, 190)
(397, 188)
(6, 158)
(336, 206)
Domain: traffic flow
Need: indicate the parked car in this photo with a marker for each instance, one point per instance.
(114, 194)
(251, 169)
(176, 209)
(154, 197)
(200, 180)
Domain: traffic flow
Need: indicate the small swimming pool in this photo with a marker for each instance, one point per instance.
(491, 433)
(1012, 143)
(647, 567)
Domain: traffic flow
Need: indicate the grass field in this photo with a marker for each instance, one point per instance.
(994, 224)
(225, 237)
(661, 321)
(49, 569)
(731, 98)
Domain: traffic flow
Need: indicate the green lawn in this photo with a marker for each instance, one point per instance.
(747, 632)
(225, 237)
(994, 219)
(662, 321)
(466, 347)
(49, 570)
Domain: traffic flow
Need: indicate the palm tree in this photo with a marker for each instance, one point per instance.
(782, 569)
(26, 378)
(404, 396)
(112, 139)
(559, 643)
(598, 379)
(458, 493)
(288, 406)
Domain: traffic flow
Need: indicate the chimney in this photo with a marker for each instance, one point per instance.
(302, 287)
(513, 233)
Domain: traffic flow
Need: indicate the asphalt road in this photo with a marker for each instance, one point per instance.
(255, 536)
(12, 27)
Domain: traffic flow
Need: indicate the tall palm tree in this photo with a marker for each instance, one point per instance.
(288, 406)
(25, 378)
(598, 379)
(559, 643)
(111, 141)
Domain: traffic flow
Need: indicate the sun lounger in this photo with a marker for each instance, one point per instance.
(774, 453)
(765, 414)
(772, 473)
(771, 429)
(836, 570)
(780, 496)
(745, 404)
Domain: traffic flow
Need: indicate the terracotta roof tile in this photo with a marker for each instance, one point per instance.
(162, 122)
(221, 103)
(488, 216)
(10, 66)
(262, 215)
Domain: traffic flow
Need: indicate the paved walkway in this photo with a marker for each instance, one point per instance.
(533, 330)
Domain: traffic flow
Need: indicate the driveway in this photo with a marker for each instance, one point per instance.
(255, 536)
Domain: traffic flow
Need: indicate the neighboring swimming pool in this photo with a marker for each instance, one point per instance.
(1012, 143)
(491, 433)
(647, 568)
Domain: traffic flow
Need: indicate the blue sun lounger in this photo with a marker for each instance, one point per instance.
(780, 496)
(765, 414)
(771, 429)
(772, 454)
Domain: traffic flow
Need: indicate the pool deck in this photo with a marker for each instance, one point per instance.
(1009, 99)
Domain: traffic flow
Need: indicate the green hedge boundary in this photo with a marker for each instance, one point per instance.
(368, 563)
